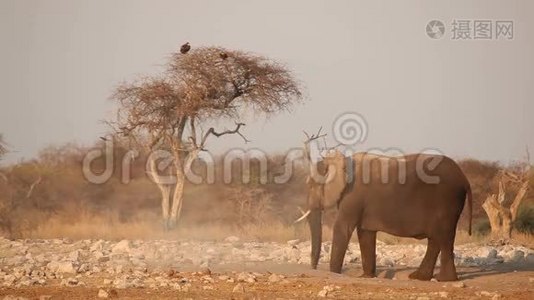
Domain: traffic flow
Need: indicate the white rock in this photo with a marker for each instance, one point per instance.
(70, 282)
(239, 288)
(123, 246)
(207, 279)
(61, 267)
(185, 288)
(9, 280)
(488, 294)
(246, 277)
(514, 256)
(327, 289)
(492, 254)
(387, 262)
(11, 297)
(274, 278)
(231, 239)
(83, 268)
(257, 257)
(460, 284)
(293, 254)
(97, 246)
(74, 256)
(103, 259)
(121, 283)
(322, 293)
(102, 294)
(224, 277)
(293, 243)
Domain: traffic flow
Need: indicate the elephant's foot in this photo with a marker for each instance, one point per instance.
(418, 275)
(446, 276)
(364, 275)
(336, 265)
(335, 270)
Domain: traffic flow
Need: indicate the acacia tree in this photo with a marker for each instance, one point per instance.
(207, 84)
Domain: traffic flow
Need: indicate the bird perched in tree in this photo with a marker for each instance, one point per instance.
(185, 48)
(223, 55)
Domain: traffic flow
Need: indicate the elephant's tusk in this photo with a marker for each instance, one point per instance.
(303, 217)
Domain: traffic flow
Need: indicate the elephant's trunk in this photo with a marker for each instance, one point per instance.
(314, 219)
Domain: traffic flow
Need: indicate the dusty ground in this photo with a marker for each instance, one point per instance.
(58, 269)
(497, 282)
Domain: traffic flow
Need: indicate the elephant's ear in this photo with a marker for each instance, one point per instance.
(336, 180)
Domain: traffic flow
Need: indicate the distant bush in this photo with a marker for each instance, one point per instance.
(525, 218)
(65, 198)
(481, 226)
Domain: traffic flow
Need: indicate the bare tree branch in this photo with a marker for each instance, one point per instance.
(193, 136)
(309, 139)
(32, 187)
(219, 134)
(518, 198)
(312, 137)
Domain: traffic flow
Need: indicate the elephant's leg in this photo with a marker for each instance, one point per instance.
(343, 229)
(367, 240)
(447, 270)
(426, 269)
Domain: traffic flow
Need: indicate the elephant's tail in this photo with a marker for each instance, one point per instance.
(470, 206)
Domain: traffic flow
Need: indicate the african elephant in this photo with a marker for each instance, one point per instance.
(418, 195)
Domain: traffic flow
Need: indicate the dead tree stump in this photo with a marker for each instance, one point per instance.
(502, 210)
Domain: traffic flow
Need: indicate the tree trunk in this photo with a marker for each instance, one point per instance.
(165, 190)
(501, 215)
(490, 206)
(177, 199)
(178, 195)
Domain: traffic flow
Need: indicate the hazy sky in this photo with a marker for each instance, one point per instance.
(60, 60)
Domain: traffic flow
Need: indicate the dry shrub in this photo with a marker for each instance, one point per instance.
(109, 226)
(251, 205)
(523, 238)
(103, 226)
